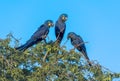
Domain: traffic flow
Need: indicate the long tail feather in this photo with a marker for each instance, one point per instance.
(86, 57)
(26, 45)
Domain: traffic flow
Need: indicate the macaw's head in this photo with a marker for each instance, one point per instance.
(71, 35)
(64, 17)
(49, 23)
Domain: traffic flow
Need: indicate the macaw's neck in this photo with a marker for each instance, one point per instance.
(60, 20)
(74, 37)
(46, 25)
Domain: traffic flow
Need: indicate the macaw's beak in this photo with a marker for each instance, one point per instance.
(68, 37)
(52, 25)
(66, 18)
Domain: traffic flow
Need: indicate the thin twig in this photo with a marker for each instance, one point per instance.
(14, 38)
(48, 38)
(107, 69)
(57, 37)
(102, 66)
(1, 40)
(65, 42)
(45, 56)
(80, 44)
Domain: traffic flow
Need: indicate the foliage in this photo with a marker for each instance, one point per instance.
(48, 62)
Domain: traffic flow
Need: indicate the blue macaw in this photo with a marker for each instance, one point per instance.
(60, 27)
(38, 36)
(78, 43)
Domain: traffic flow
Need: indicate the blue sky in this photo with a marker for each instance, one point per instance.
(97, 21)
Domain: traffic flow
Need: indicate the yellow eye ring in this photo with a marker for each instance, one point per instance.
(63, 18)
(49, 24)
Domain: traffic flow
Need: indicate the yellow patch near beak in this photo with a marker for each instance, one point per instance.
(63, 18)
(49, 24)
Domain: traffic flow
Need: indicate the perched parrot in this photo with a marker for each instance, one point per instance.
(38, 36)
(60, 27)
(78, 43)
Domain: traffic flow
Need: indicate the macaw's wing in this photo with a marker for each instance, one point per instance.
(79, 44)
(79, 38)
(77, 41)
(82, 49)
(40, 33)
(59, 31)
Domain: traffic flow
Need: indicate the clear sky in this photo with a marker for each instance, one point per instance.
(97, 21)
